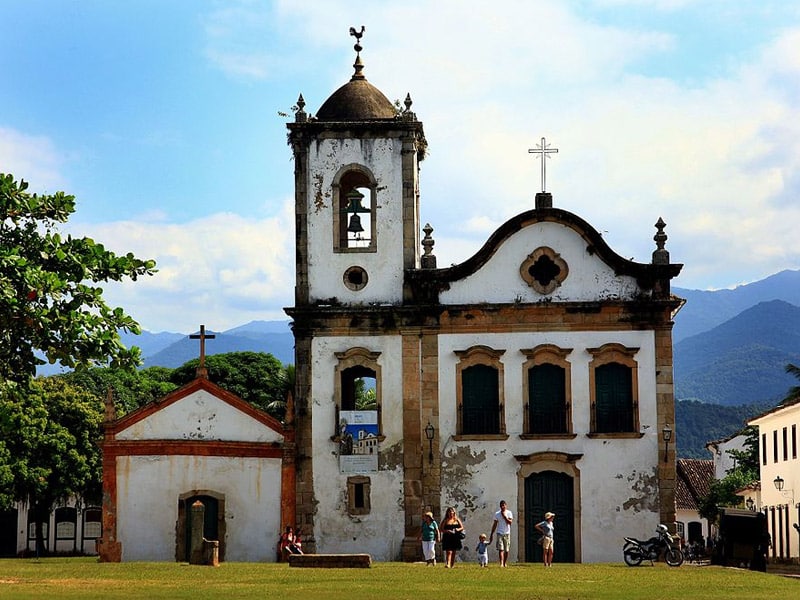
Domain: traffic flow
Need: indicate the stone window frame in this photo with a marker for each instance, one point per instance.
(353, 483)
(357, 356)
(339, 206)
(532, 258)
(614, 353)
(480, 355)
(547, 354)
(360, 272)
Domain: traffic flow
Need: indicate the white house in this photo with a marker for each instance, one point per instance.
(539, 371)
(723, 461)
(780, 476)
(694, 482)
(71, 528)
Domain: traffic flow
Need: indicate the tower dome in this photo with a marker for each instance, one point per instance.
(358, 99)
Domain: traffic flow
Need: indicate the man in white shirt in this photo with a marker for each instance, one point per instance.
(502, 525)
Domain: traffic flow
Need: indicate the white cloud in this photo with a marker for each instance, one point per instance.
(222, 270)
(33, 158)
(717, 158)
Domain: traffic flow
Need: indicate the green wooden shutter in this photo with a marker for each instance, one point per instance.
(547, 399)
(480, 399)
(613, 399)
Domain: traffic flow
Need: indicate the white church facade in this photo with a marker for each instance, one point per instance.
(538, 371)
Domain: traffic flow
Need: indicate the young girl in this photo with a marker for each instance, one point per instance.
(483, 550)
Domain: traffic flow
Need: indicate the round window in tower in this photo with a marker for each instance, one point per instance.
(355, 278)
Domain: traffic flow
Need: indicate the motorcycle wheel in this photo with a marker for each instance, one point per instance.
(632, 557)
(674, 557)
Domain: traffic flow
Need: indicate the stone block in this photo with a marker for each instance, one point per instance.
(331, 561)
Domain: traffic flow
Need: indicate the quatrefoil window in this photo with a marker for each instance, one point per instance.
(544, 270)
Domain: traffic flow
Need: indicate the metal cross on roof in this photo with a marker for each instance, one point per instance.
(543, 149)
(202, 336)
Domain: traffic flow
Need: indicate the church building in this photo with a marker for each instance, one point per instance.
(198, 446)
(538, 371)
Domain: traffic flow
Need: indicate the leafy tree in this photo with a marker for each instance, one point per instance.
(745, 471)
(50, 435)
(257, 377)
(366, 398)
(6, 475)
(131, 388)
(48, 300)
(723, 493)
(793, 395)
(746, 460)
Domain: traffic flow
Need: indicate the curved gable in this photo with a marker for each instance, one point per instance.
(544, 255)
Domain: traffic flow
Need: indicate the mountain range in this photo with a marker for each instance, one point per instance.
(274, 337)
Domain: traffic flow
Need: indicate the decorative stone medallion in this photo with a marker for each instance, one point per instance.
(544, 270)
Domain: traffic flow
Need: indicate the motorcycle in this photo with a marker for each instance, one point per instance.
(635, 551)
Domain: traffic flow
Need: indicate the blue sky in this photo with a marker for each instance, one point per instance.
(162, 118)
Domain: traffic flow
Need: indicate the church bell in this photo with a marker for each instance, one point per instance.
(354, 226)
(354, 207)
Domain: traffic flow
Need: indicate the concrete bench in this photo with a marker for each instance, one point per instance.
(331, 561)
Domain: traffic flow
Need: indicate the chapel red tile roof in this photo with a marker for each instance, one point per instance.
(694, 481)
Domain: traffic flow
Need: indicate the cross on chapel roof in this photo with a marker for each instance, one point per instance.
(543, 150)
(202, 336)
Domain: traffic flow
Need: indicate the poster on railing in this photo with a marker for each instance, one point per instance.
(358, 441)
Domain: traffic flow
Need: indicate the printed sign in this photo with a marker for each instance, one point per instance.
(358, 441)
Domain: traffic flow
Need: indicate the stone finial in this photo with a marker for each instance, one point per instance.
(428, 258)
(408, 114)
(110, 410)
(301, 116)
(660, 256)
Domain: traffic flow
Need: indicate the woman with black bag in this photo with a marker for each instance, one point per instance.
(452, 534)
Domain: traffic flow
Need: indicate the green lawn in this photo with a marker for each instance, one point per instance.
(86, 579)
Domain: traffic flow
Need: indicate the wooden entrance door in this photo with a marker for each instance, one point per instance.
(553, 492)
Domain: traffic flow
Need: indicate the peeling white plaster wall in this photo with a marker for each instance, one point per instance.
(379, 533)
(148, 488)
(200, 416)
(618, 478)
(385, 267)
(499, 280)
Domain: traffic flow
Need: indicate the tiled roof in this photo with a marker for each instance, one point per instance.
(694, 481)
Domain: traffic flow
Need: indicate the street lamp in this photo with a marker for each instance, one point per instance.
(751, 505)
(666, 434)
(429, 432)
(779, 484)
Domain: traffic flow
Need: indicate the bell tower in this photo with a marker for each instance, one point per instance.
(356, 195)
(357, 235)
